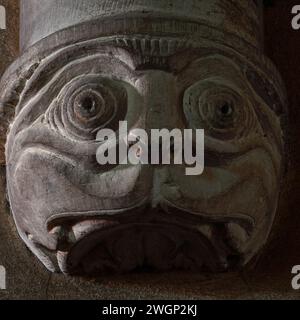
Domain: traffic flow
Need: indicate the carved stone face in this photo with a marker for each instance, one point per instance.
(83, 218)
(93, 218)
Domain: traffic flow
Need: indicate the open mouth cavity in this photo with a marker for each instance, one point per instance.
(96, 246)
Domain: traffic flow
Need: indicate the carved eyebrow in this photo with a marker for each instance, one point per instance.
(153, 46)
(58, 61)
(151, 52)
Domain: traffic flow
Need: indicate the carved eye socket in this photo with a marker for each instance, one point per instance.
(218, 109)
(88, 104)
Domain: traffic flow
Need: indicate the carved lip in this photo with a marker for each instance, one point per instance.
(166, 212)
(127, 247)
(79, 235)
(73, 217)
(247, 222)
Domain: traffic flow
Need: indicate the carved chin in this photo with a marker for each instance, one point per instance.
(97, 246)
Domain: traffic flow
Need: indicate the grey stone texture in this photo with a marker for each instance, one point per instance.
(268, 278)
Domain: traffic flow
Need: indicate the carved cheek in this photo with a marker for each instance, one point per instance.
(247, 184)
(241, 164)
(61, 185)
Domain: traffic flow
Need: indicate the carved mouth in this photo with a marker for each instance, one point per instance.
(93, 246)
(129, 247)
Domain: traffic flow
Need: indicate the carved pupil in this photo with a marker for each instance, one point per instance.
(225, 110)
(220, 112)
(88, 104)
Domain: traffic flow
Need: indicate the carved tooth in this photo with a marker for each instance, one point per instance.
(62, 261)
(206, 230)
(83, 228)
(237, 235)
(57, 231)
(64, 237)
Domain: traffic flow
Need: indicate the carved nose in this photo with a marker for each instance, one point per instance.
(161, 100)
(160, 152)
(162, 111)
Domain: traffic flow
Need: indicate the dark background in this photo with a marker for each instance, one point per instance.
(269, 278)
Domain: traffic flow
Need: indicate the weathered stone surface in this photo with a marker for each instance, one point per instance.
(130, 216)
(271, 279)
(40, 18)
(9, 44)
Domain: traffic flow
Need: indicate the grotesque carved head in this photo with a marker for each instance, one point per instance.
(155, 64)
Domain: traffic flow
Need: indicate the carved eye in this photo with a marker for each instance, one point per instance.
(92, 106)
(88, 104)
(220, 110)
(224, 110)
